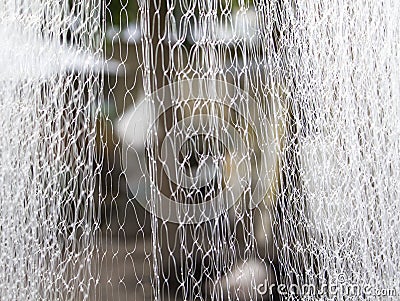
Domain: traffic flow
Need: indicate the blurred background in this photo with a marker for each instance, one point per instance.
(78, 83)
(186, 39)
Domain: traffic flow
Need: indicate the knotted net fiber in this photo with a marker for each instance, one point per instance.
(199, 150)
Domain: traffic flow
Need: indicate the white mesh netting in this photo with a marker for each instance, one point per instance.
(199, 150)
(50, 61)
